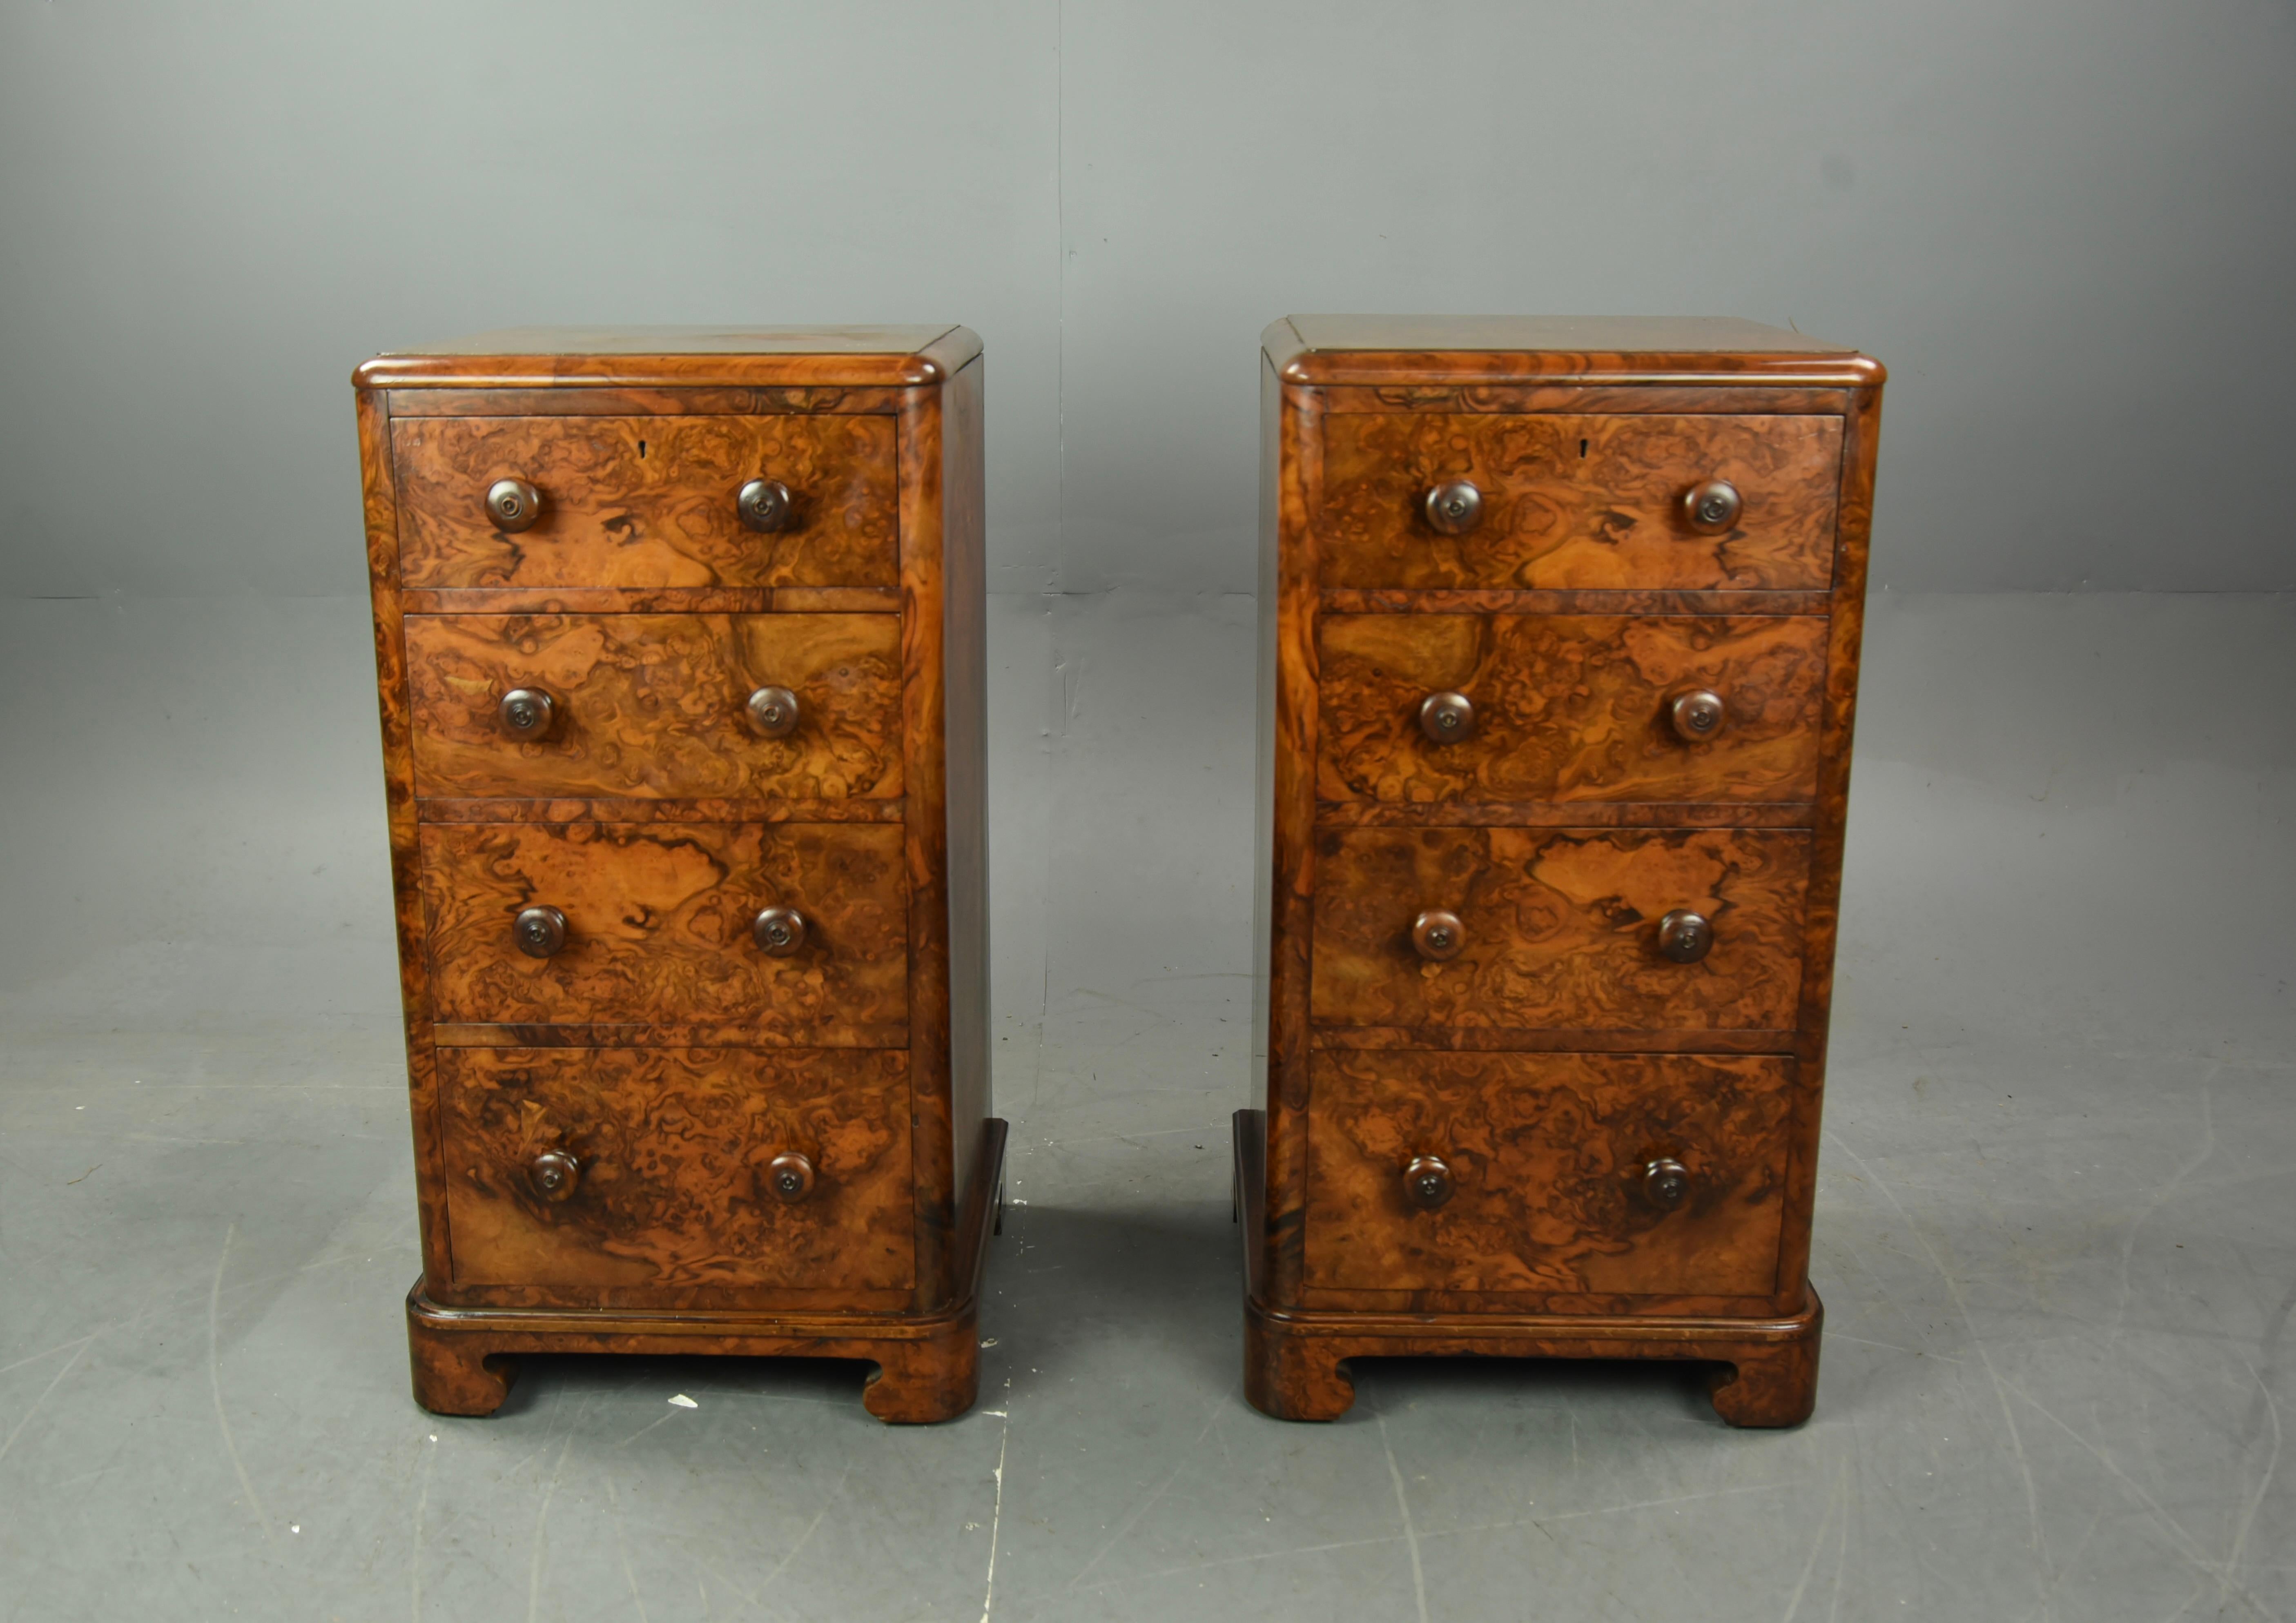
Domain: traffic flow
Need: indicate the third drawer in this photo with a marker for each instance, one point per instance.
(1560, 929)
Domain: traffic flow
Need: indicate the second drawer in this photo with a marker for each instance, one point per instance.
(647, 706)
(589, 923)
(1560, 708)
(1592, 929)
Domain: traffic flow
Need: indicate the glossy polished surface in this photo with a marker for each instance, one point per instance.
(2048, 1193)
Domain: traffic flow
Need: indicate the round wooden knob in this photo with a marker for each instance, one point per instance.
(526, 713)
(1697, 715)
(1437, 935)
(540, 931)
(1446, 718)
(1686, 937)
(554, 1174)
(790, 1175)
(512, 505)
(1454, 508)
(763, 505)
(1666, 1183)
(1712, 507)
(1426, 1182)
(771, 712)
(779, 932)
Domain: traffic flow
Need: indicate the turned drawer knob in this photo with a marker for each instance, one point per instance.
(1697, 715)
(779, 932)
(763, 505)
(790, 1175)
(1437, 935)
(1447, 718)
(1455, 507)
(513, 504)
(526, 712)
(554, 1174)
(1686, 937)
(1426, 1182)
(1667, 1183)
(540, 931)
(771, 712)
(1712, 507)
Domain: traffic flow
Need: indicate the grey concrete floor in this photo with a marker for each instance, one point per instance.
(2056, 1225)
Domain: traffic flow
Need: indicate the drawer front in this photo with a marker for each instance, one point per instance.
(1589, 502)
(646, 502)
(1547, 1160)
(647, 706)
(657, 926)
(1559, 927)
(671, 1185)
(1567, 708)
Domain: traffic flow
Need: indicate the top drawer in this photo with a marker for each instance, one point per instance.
(1589, 502)
(646, 502)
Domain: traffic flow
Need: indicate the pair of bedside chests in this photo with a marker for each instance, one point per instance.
(681, 648)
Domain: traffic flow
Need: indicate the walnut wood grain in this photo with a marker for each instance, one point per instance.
(659, 919)
(1547, 1152)
(671, 1206)
(662, 600)
(656, 402)
(1587, 503)
(883, 357)
(646, 502)
(464, 1359)
(464, 810)
(1469, 600)
(1560, 928)
(1296, 1359)
(1568, 707)
(1433, 351)
(650, 706)
(1582, 395)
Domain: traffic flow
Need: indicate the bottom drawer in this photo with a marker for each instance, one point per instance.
(649, 1175)
(1534, 1173)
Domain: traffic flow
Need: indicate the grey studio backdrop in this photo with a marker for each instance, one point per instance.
(2049, 1228)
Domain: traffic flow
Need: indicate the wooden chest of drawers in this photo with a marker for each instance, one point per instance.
(1559, 644)
(679, 637)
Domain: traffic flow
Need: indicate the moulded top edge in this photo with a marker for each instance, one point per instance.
(874, 357)
(1315, 349)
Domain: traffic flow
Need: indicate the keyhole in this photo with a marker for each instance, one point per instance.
(1582, 451)
(641, 451)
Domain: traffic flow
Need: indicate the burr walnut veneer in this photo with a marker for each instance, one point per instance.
(1559, 635)
(679, 635)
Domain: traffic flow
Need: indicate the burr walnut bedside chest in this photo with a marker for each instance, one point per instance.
(679, 637)
(1559, 633)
